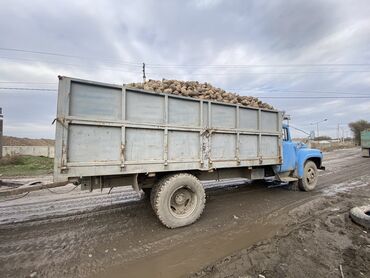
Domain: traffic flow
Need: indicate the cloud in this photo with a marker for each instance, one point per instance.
(112, 39)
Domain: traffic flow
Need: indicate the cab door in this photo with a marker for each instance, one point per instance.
(289, 152)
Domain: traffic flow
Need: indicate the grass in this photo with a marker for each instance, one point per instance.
(25, 165)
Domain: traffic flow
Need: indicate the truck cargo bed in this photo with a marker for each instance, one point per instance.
(104, 129)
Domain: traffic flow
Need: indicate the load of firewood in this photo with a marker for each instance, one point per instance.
(198, 90)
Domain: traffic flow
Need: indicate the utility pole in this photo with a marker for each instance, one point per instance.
(342, 134)
(317, 126)
(144, 77)
(338, 132)
(1, 132)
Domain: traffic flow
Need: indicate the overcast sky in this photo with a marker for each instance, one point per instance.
(316, 50)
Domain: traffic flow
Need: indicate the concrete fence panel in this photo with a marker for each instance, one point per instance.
(47, 151)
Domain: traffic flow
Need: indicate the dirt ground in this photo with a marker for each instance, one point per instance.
(16, 141)
(318, 240)
(247, 230)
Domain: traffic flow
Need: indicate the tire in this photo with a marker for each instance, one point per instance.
(154, 191)
(361, 215)
(310, 175)
(293, 186)
(178, 200)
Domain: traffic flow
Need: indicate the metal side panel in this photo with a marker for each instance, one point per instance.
(223, 116)
(144, 145)
(269, 146)
(60, 128)
(89, 143)
(183, 112)
(89, 101)
(223, 146)
(144, 108)
(248, 118)
(183, 146)
(269, 121)
(248, 146)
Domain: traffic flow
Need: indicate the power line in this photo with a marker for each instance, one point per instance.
(302, 91)
(73, 65)
(260, 65)
(62, 55)
(27, 82)
(315, 97)
(27, 89)
(193, 74)
(262, 73)
(138, 64)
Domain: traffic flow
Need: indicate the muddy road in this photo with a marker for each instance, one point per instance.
(241, 232)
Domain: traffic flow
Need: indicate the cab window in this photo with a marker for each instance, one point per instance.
(285, 134)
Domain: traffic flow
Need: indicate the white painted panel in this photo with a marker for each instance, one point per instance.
(88, 143)
(269, 121)
(269, 146)
(223, 116)
(95, 102)
(183, 145)
(144, 144)
(223, 146)
(144, 107)
(248, 118)
(184, 112)
(248, 147)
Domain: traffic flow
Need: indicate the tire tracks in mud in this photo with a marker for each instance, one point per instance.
(266, 258)
(356, 169)
(138, 238)
(67, 206)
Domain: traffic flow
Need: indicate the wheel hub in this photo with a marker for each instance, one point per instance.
(182, 202)
(180, 199)
(310, 175)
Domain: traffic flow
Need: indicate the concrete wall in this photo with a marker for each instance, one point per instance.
(47, 151)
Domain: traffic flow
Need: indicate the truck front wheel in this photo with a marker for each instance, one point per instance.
(310, 175)
(178, 200)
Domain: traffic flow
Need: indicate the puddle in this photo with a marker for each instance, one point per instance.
(188, 257)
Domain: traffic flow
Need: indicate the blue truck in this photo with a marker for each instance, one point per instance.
(165, 145)
(300, 163)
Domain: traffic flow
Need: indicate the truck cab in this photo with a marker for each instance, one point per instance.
(300, 163)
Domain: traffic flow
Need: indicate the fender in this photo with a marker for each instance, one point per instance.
(303, 154)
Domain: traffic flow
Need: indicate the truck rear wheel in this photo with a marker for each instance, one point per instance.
(178, 200)
(310, 175)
